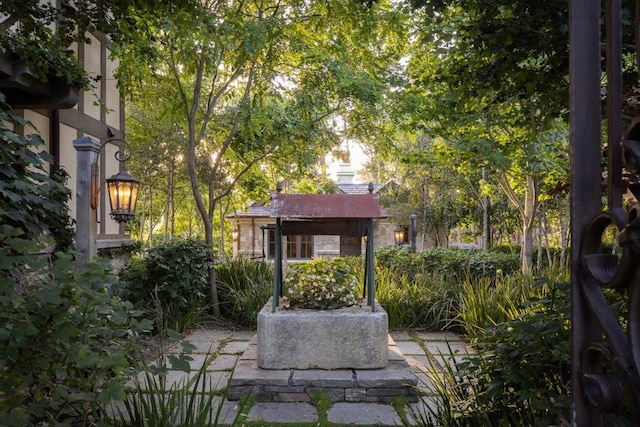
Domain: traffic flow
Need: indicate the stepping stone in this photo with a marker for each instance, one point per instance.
(283, 413)
(363, 414)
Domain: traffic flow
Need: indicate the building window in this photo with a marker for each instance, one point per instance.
(271, 244)
(298, 247)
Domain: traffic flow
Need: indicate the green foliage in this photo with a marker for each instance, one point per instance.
(154, 403)
(31, 198)
(323, 402)
(244, 288)
(456, 264)
(257, 92)
(65, 340)
(421, 296)
(42, 33)
(485, 302)
(520, 374)
(172, 277)
(321, 284)
(178, 270)
(47, 63)
(428, 303)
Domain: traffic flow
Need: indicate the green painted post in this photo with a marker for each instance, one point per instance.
(370, 273)
(277, 266)
(366, 270)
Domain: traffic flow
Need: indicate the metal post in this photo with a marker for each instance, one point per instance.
(87, 152)
(366, 269)
(277, 266)
(370, 266)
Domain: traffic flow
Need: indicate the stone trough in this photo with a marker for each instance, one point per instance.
(351, 337)
(345, 353)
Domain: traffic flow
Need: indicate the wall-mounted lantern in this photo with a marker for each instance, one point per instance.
(235, 233)
(399, 235)
(122, 187)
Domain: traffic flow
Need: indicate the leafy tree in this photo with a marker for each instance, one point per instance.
(493, 79)
(252, 84)
(47, 30)
(426, 187)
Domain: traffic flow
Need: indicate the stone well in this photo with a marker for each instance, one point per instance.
(347, 338)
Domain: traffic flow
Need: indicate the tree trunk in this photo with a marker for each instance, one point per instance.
(539, 239)
(526, 252)
(143, 219)
(527, 213)
(151, 224)
(171, 209)
(221, 218)
(206, 221)
(528, 220)
(486, 224)
(545, 236)
(564, 215)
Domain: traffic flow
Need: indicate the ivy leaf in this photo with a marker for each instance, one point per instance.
(112, 392)
(180, 362)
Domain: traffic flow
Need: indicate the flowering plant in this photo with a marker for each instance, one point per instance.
(321, 284)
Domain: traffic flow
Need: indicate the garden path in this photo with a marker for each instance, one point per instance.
(420, 350)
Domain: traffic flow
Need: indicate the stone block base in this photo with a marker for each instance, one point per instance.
(342, 385)
(348, 338)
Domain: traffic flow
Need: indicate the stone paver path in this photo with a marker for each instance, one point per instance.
(221, 350)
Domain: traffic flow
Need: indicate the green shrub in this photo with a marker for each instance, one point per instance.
(244, 287)
(456, 264)
(321, 284)
(172, 277)
(428, 303)
(486, 302)
(520, 373)
(65, 340)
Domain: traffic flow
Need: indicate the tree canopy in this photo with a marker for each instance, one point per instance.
(250, 87)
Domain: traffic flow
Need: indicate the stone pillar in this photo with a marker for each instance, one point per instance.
(86, 223)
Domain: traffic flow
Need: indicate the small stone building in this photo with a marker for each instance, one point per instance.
(255, 233)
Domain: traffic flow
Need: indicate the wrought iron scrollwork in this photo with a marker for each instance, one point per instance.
(610, 366)
(606, 342)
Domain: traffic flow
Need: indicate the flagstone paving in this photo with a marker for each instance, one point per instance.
(421, 350)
